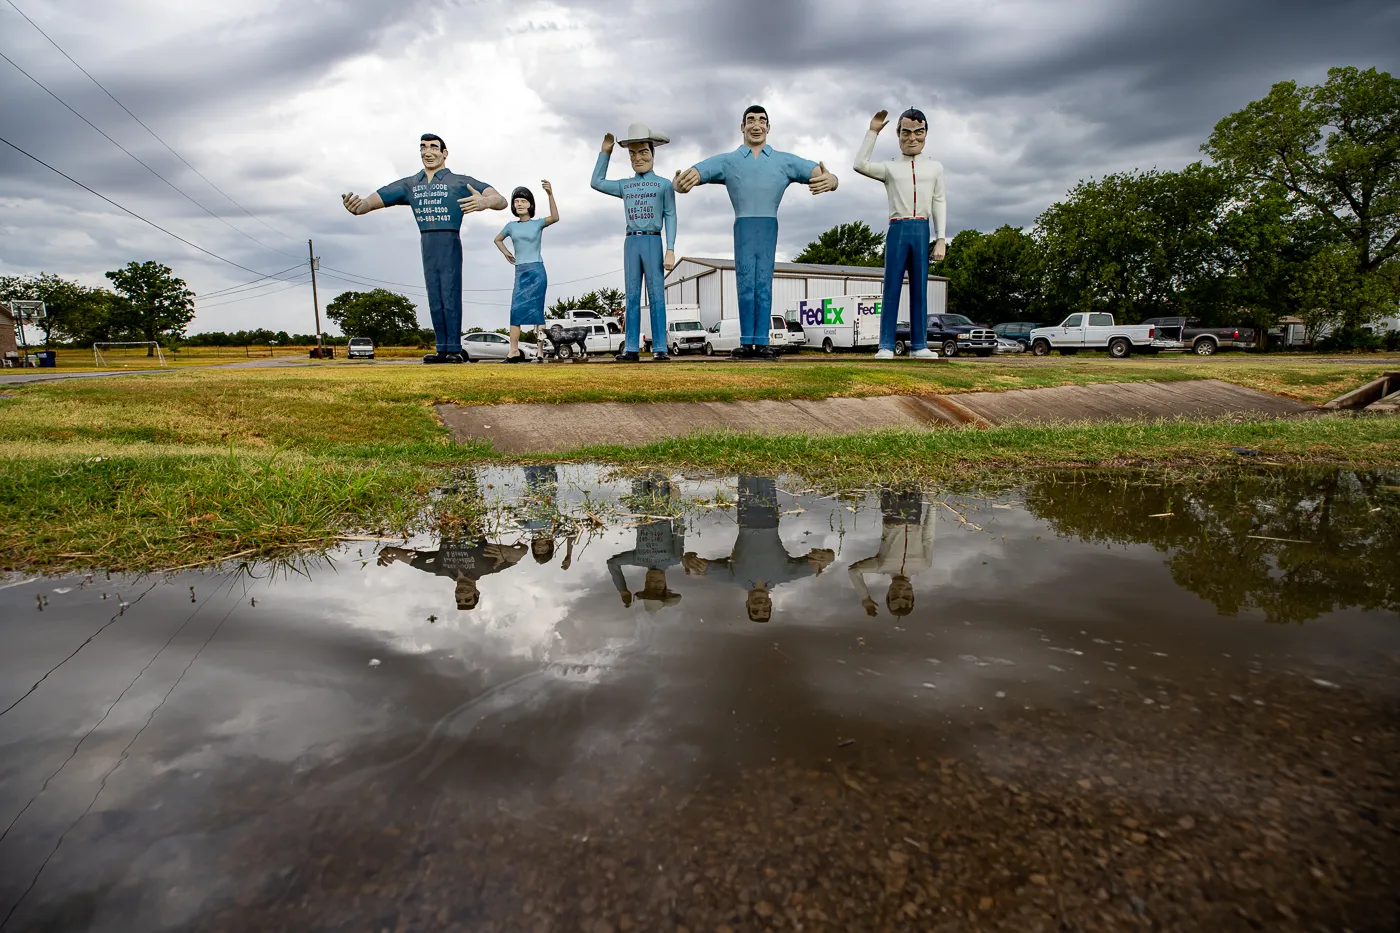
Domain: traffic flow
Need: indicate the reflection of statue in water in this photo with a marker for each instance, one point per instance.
(464, 561)
(906, 550)
(541, 522)
(660, 545)
(759, 561)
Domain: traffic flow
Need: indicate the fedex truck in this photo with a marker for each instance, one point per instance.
(842, 322)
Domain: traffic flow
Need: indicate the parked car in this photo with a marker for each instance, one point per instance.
(1096, 330)
(1007, 345)
(796, 336)
(360, 348)
(950, 334)
(485, 345)
(1020, 331)
(724, 337)
(1205, 341)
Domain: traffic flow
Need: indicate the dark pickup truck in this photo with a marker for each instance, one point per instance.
(950, 334)
(1204, 341)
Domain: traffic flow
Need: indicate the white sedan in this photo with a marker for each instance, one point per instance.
(485, 345)
(1007, 345)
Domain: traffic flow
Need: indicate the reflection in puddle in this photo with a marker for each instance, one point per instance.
(662, 702)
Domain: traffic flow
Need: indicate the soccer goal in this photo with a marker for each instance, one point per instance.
(127, 353)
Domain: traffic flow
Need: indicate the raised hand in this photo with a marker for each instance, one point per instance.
(879, 121)
(474, 201)
(822, 181)
(548, 189)
(608, 143)
(686, 180)
(351, 201)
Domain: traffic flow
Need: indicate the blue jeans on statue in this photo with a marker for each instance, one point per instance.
(642, 256)
(442, 271)
(755, 245)
(906, 250)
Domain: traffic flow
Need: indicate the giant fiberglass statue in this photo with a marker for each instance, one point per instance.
(914, 185)
(756, 175)
(439, 197)
(650, 204)
(527, 298)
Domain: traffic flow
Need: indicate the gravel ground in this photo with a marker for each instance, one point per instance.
(1175, 807)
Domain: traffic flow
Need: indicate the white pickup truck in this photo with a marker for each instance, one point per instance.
(1096, 330)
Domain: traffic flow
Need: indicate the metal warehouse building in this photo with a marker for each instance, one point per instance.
(710, 284)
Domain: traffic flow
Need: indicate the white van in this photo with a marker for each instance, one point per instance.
(684, 332)
(724, 337)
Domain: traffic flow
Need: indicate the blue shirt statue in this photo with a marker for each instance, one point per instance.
(756, 177)
(439, 198)
(650, 205)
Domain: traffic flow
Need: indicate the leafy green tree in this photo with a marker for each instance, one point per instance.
(1137, 244)
(387, 318)
(154, 305)
(74, 313)
(1334, 149)
(992, 277)
(561, 306)
(852, 244)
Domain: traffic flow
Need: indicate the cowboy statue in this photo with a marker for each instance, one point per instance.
(439, 197)
(650, 205)
(756, 176)
(914, 186)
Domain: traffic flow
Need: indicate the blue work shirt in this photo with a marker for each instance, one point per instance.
(525, 236)
(755, 186)
(434, 202)
(649, 200)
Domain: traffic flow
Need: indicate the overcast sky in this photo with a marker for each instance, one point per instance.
(285, 105)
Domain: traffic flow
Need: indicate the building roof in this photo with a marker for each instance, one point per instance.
(806, 269)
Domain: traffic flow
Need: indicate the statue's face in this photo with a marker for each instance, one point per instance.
(912, 136)
(467, 594)
(642, 156)
(760, 605)
(655, 581)
(521, 207)
(432, 154)
(756, 129)
(900, 598)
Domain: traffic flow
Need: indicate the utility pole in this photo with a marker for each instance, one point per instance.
(315, 302)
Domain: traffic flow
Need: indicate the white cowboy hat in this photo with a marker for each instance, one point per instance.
(641, 133)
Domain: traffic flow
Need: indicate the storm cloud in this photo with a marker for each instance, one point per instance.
(284, 106)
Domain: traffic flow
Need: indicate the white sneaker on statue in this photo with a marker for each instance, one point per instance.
(924, 353)
(884, 354)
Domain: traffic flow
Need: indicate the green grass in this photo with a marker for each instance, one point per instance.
(202, 464)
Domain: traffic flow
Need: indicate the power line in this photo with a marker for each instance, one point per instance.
(235, 301)
(174, 187)
(145, 127)
(233, 288)
(128, 210)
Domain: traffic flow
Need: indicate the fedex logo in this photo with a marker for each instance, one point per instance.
(828, 314)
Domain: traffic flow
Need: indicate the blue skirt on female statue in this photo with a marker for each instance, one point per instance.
(527, 301)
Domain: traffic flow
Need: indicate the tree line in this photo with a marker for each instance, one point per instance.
(1298, 213)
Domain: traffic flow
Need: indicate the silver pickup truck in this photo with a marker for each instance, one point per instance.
(1096, 330)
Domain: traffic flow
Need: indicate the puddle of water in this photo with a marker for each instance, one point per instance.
(685, 702)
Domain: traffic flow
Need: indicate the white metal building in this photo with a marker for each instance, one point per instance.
(710, 284)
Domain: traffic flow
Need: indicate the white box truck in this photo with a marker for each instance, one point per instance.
(684, 332)
(842, 322)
